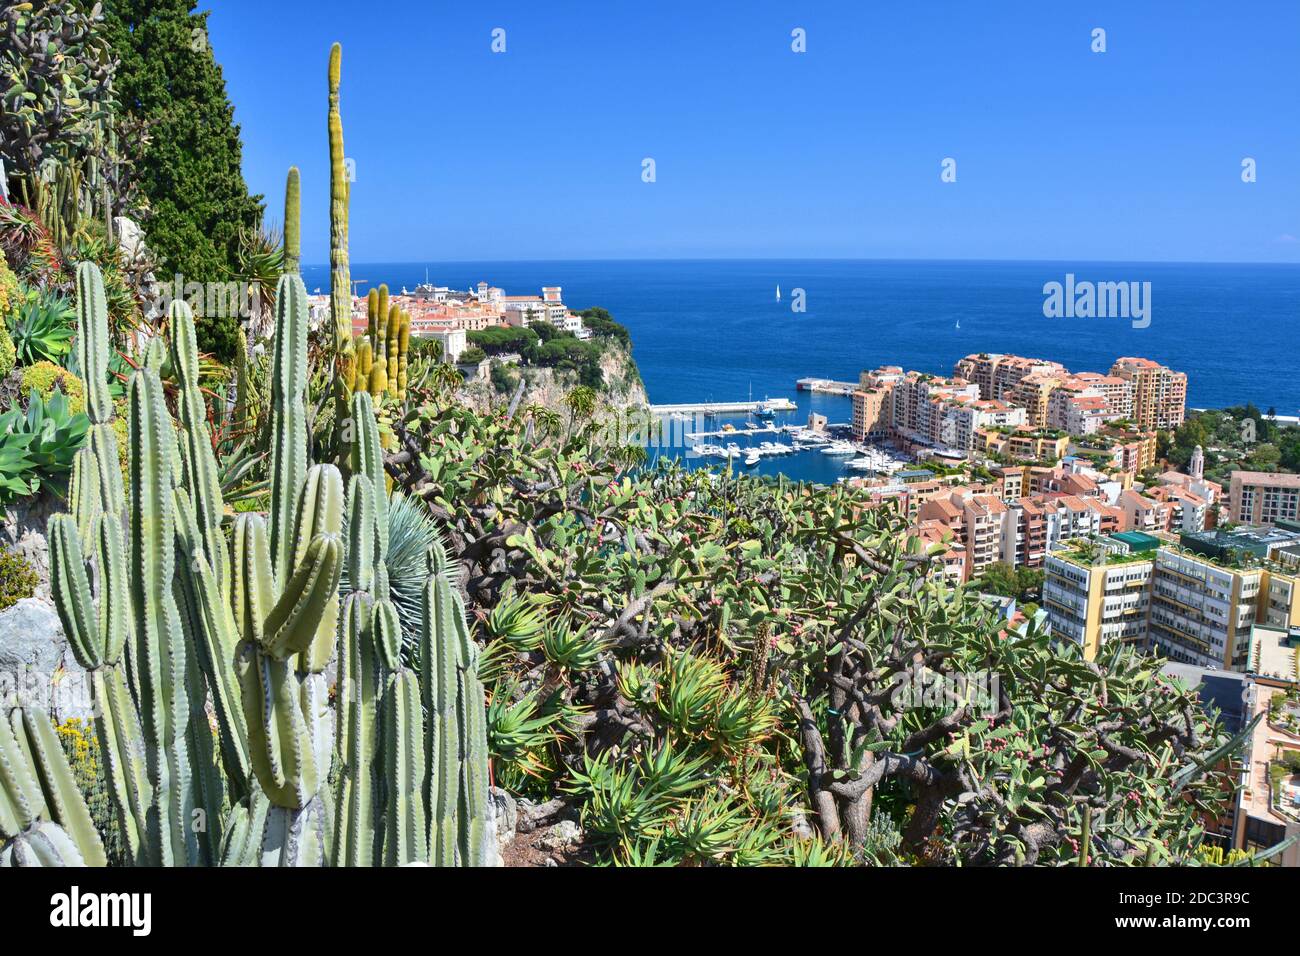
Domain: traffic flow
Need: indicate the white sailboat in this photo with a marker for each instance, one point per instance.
(959, 323)
(778, 293)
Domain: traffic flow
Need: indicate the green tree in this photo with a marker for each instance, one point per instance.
(188, 166)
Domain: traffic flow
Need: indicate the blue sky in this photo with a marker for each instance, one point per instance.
(536, 153)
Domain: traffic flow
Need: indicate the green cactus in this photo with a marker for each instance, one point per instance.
(44, 821)
(340, 270)
(167, 603)
(292, 221)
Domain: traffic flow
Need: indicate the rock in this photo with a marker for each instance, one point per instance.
(561, 836)
(22, 531)
(130, 240)
(533, 816)
(37, 669)
(505, 811)
(550, 861)
(802, 828)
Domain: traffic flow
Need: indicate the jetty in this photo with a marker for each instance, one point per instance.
(725, 408)
(826, 386)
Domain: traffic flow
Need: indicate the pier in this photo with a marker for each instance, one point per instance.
(826, 386)
(725, 408)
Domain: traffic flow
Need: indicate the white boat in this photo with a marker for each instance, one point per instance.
(778, 293)
(751, 459)
(863, 464)
(839, 448)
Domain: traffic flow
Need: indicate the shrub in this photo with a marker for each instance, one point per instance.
(472, 356)
(8, 355)
(45, 377)
(17, 578)
(501, 339)
(8, 288)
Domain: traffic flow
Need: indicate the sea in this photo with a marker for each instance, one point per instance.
(714, 330)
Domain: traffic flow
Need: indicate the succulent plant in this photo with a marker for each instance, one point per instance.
(163, 608)
(44, 821)
(38, 447)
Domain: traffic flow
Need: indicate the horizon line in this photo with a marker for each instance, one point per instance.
(973, 261)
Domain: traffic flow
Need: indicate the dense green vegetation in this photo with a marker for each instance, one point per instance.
(541, 345)
(1023, 584)
(189, 169)
(1239, 438)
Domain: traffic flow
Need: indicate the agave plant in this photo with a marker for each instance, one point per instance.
(38, 447)
(41, 328)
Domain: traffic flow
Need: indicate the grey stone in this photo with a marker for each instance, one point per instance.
(37, 668)
(22, 531)
(533, 816)
(561, 836)
(505, 813)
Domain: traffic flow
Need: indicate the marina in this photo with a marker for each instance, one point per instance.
(805, 435)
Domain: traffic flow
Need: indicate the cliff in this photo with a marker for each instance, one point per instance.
(622, 386)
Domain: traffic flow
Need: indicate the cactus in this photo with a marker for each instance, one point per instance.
(44, 821)
(163, 616)
(382, 352)
(340, 271)
(456, 746)
(292, 221)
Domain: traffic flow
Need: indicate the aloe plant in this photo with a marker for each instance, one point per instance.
(41, 328)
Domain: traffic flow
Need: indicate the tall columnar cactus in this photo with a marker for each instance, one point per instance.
(381, 352)
(456, 783)
(44, 820)
(292, 221)
(164, 617)
(380, 367)
(340, 271)
(120, 613)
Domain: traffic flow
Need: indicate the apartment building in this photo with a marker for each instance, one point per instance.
(998, 375)
(1033, 392)
(1117, 391)
(1263, 498)
(1078, 409)
(953, 558)
(1197, 604)
(1022, 443)
(1159, 394)
(1201, 612)
(1097, 600)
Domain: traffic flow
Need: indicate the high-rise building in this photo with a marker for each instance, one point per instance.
(1092, 602)
(1263, 497)
(1159, 393)
(997, 375)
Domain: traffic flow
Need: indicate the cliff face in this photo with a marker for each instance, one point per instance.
(622, 387)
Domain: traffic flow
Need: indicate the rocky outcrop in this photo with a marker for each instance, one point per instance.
(37, 668)
(623, 387)
(22, 531)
